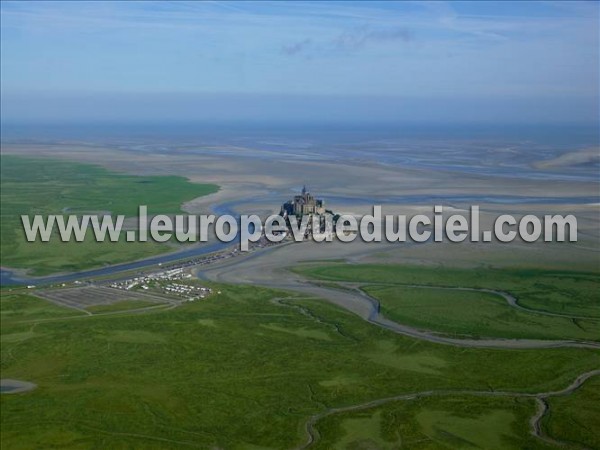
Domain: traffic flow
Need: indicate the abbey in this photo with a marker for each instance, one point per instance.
(303, 204)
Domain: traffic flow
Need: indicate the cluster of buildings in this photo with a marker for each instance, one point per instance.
(190, 292)
(321, 220)
(144, 281)
(157, 282)
(303, 204)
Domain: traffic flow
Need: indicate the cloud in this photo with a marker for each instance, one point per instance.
(359, 37)
(296, 48)
(354, 39)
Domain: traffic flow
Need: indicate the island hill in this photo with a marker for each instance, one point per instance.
(306, 204)
(302, 204)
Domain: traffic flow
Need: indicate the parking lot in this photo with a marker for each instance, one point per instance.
(82, 297)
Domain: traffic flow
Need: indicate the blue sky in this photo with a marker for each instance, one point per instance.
(504, 62)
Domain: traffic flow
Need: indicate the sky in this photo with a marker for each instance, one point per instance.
(323, 62)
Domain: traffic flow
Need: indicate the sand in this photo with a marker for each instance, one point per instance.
(258, 182)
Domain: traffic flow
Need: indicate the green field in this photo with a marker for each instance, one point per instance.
(241, 370)
(574, 416)
(45, 186)
(123, 305)
(475, 314)
(16, 305)
(444, 422)
(562, 292)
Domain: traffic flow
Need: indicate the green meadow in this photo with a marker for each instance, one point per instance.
(246, 369)
(475, 314)
(574, 416)
(123, 305)
(17, 306)
(440, 305)
(439, 422)
(45, 186)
